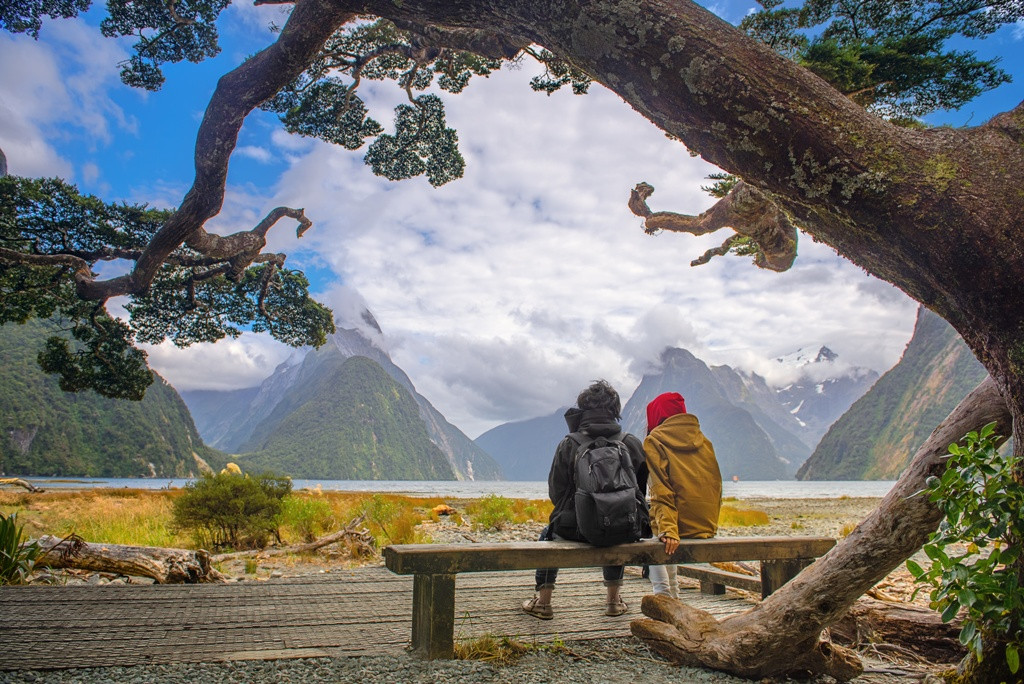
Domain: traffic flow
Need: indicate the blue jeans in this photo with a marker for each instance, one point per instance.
(546, 576)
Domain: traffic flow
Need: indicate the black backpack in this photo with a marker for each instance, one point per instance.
(608, 510)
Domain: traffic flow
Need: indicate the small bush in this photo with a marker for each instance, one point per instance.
(492, 512)
(233, 510)
(391, 519)
(308, 517)
(17, 558)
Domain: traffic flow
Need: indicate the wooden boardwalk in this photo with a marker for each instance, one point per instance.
(363, 611)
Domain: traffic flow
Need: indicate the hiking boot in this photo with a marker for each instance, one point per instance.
(537, 610)
(616, 609)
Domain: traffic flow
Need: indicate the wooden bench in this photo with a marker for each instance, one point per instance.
(714, 580)
(434, 567)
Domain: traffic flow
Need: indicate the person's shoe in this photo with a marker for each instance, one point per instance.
(616, 609)
(544, 612)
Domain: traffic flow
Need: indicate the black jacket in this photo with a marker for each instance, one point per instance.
(561, 481)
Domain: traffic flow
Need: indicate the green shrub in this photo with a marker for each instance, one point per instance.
(229, 509)
(16, 558)
(492, 512)
(391, 519)
(309, 517)
(982, 504)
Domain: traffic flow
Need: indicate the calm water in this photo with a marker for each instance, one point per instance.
(779, 489)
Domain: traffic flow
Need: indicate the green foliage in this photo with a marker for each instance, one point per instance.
(722, 186)
(25, 16)
(309, 516)
(46, 431)
(233, 510)
(558, 73)
(391, 520)
(17, 557)
(191, 300)
(982, 502)
(889, 55)
(492, 512)
(422, 143)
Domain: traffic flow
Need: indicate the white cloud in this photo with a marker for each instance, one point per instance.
(228, 364)
(260, 154)
(55, 88)
(502, 293)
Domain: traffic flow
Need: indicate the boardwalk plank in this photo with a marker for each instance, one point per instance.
(363, 611)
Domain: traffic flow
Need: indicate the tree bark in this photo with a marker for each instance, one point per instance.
(909, 630)
(166, 566)
(780, 636)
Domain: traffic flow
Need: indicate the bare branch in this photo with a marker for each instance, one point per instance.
(77, 264)
(746, 210)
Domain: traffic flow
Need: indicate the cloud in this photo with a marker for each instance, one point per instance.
(55, 88)
(260, 154)
(228, 364)
(501, 294)
(505, 292)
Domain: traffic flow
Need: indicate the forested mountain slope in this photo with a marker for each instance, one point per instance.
(46, 431)
(876, 438)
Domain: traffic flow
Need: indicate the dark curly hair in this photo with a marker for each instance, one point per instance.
(600, 395)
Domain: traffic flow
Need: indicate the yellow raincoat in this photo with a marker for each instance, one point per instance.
(686, 485)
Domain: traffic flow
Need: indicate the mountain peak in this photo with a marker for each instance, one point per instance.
(805, 356)
(825, 355)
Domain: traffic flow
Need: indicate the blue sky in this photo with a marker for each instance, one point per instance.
(479, 285)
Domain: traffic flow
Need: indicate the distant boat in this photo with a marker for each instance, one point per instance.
(735, 478)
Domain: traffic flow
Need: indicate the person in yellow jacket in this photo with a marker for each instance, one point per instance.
(686, 483)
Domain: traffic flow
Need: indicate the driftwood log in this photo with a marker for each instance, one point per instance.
(353, 534)
(166, 566)
(18, 482)
(903, 630)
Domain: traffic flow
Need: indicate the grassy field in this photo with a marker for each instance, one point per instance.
(144, 516)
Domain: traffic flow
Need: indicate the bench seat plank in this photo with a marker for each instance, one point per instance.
(447, 559)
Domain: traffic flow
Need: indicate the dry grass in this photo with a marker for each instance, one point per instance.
(113, 516)
(143, 516)
(731, 516)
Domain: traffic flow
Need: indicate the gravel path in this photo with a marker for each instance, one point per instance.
(611, 661)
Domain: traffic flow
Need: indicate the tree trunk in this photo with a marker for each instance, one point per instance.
(780, 636)
(166, 566)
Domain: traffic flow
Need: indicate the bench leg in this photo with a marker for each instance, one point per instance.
(711, 588)
(433, 616)
(775, 573)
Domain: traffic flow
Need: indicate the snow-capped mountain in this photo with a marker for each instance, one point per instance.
(823, 391)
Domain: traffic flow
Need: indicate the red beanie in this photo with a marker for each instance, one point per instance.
(664, 406)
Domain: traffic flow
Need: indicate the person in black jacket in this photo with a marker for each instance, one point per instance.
(597, 414)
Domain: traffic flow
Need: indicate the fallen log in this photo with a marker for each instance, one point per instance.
(915, 632)
(352, 533)
(166, 566)
(18, 482)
